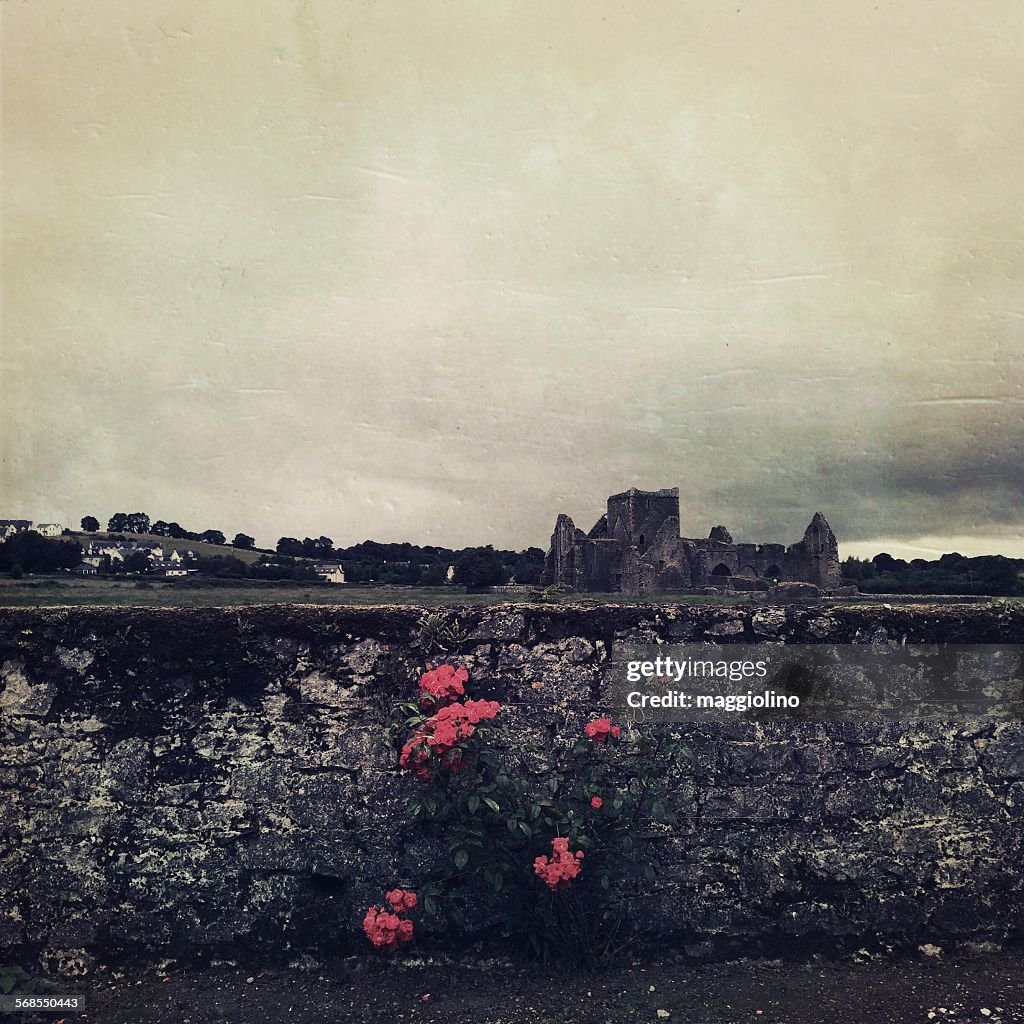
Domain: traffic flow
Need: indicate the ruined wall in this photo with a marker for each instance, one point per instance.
(188, 779)
(652, 557)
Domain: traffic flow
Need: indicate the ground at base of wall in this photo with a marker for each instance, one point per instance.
(921, 988)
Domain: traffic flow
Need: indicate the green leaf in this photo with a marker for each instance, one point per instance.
(461, 858)
(473, 803)
(648, 872)
(512, 824)
(604, 882)
(492, 804)
(525, 829)
(429, 905)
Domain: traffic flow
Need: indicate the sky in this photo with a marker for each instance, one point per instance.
(439, 271)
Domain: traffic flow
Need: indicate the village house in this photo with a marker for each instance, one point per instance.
(9, 527)
(167, 567)
(330, 572)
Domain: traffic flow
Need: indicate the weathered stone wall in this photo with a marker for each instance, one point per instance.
(183, 779)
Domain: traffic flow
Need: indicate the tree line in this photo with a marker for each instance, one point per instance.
(952, 573)
(139, 522)
(420, 565)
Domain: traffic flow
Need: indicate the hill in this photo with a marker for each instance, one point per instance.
(169, 544)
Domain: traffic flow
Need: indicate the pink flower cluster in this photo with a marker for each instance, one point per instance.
(440, 735)
(558, 870)
(442, 684)
(386, 929)
(600, 729)
(401, 900)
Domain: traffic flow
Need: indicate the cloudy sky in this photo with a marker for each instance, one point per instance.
(436, 271)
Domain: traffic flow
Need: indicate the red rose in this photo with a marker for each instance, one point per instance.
(600, 729)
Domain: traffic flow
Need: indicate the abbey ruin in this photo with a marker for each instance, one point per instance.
(636, 548)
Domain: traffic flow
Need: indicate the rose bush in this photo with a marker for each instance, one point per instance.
(493, 793)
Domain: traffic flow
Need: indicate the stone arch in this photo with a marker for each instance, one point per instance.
(748, 570)
(773, 572)
(721, 570)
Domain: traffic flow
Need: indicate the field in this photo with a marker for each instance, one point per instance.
(50, 591)
(57, 591)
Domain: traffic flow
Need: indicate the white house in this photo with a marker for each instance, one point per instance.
(330, 572)
(49, 529)
(9, 527)
(168, 567)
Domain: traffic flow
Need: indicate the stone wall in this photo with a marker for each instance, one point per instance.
(181, 780)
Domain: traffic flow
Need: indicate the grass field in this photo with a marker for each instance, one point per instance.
(48, 591)
(51, 592)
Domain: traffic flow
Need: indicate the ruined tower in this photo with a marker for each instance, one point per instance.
(821, 552)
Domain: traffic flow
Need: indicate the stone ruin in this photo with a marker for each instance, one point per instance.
(636, 548)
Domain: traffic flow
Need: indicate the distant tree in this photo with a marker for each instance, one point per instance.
(138, 522)
(527, 565)
(34, 553)
(160, 528)
(855, 569)
(884, 562)
(318, 547)
(244, 541)
(221, 565)
(90, 524)
(137, 561)
(118, 522)
(480, 567)
(290, 546)
(212, 537)
(176, 531)
(431, 576)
